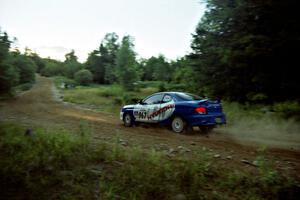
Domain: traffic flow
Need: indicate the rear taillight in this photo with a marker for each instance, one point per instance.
(200, 110)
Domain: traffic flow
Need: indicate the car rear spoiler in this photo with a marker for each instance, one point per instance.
(218, 100)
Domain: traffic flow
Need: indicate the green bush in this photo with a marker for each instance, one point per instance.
(146, 84)
(40, 165)
(117, 101)
(83, 77)
(129, 98)
(162, 87)
(288, 109)
(8, 79)
(53, 69)
(112, 91)
(59, 80)
(24, 87)
(25, 66)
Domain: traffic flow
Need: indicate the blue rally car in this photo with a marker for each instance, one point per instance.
(180, 110)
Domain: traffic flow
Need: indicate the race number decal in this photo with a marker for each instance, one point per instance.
(164, 112)
(142, 114)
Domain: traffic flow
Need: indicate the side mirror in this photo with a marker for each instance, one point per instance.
(140, 101)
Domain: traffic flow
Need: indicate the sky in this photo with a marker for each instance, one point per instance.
(54, 27)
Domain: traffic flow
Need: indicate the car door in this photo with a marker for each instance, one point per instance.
(167, 107)
(147, 111)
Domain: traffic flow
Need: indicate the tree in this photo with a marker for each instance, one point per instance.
(149, 68)
(25, 67)
(71, 64)
(53, 68)
(241, 47)
(126, 64)
(184, 75)
(157, 68)
(108, 51)
(83, 77)
(102, 62)
(38, 61)
(162, 70)
(96, 66)
(8, 74)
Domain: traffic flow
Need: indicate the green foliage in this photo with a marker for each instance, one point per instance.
(9, 76)
(53, 68)
(99, 98)
(63, 82)
(161, 87)
(24, 87)
(110, 43)
(248, 64)
(39, 62)
(71, 65)
(102, 62)
(68, 68)
(105, 98)
(269, 176)
(83, 77)
(55, 164)
(162, 71)
(184, 78)
(15, 68)
(157, 69)
(129, 98)
(112, 91)
(4, 45)
(126, 64)
(288, 109)
(25, 67)
(96, 66)
(46, 165)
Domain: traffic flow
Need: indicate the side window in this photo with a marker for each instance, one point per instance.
(155, 99)
(167, 98)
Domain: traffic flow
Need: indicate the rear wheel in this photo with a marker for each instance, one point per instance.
(178, 125)
(128, 120)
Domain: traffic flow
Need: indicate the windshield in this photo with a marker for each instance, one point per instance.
(187, 97)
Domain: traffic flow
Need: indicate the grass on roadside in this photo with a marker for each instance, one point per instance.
(58, 165)
(105, 98)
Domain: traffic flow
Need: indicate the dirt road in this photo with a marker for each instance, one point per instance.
(40, 107)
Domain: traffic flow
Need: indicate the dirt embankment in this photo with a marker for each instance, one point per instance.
(40, 107)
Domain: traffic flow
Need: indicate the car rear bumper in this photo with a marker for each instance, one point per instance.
(206, 120)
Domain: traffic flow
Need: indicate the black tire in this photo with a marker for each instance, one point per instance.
(178, 125)
(128, 120)
(206, 129)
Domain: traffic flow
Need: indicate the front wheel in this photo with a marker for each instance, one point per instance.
(178, 125)
(128, 120)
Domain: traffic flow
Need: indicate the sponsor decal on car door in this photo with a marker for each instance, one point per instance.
(165, 110)
(144, 112)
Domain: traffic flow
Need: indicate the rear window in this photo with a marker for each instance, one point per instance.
(187, 97)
